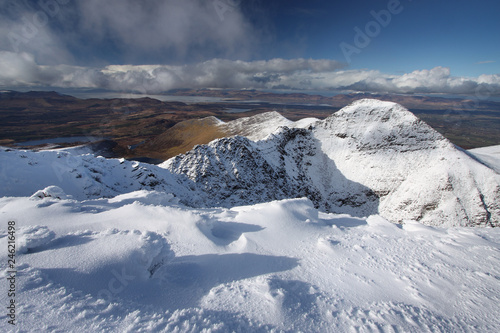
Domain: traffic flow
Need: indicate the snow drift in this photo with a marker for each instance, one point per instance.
(134, 263)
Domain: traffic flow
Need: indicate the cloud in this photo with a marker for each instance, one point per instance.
(93, 31)
(21, 70)
(485, 62)
(194, 29)
(26, 28)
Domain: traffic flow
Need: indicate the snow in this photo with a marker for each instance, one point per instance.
(133, 263)
(32, 237)
(50, 192)
(261, 125)
(490, 156)
(255, 127)
(229, 237)
(77, 174)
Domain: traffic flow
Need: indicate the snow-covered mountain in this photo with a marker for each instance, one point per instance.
(371, 157)
(288, 164)
(417, 173)
(79, 173)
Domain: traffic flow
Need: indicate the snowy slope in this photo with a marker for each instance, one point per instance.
(418, 174)
(288, 164)
(81, 176)
(142, 263)
(246, 236)
(490, 156)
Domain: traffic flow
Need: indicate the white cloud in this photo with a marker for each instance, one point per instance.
(19, 69)
(302, 74)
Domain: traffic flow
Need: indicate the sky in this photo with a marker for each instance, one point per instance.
(394, 46)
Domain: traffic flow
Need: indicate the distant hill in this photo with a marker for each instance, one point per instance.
(144, 127)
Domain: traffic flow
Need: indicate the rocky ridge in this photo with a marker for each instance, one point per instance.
(370, 157)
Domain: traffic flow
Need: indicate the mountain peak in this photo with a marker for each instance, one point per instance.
(371, 125)
(417, 173)
(256, 127)
(372, 110)
(371, 157)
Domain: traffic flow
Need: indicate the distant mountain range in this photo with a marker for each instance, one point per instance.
(341, 100)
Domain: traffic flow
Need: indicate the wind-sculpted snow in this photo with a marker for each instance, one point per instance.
(259, 236)
(140, 262)
(31, 237)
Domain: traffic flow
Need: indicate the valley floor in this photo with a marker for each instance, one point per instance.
(142, 262)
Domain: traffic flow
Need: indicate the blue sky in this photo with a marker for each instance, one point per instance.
(425, 34)
(423, 46)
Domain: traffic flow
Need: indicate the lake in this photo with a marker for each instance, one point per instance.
(72, 139)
